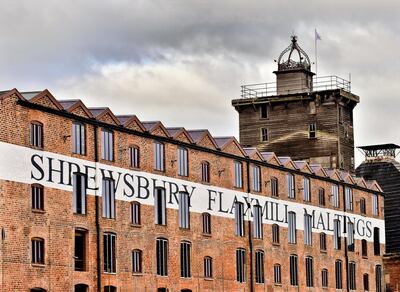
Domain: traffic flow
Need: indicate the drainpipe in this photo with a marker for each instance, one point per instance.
(96, 160)
(250, 235)
(346, 256)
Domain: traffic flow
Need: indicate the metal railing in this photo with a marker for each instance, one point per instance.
(318, 84)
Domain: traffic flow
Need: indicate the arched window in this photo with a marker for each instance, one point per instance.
(208, 268)
(324, 278)
(81, 288)
(205, 171)
(37, 197)
(110, 289)
(275, 233)
(137, 261)
(135, 213)
(36, 134)
(134, 156)
(37, 251)
(206, 223)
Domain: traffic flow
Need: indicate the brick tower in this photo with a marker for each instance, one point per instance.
(300, 115)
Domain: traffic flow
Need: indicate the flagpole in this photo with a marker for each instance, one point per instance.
(316, 56)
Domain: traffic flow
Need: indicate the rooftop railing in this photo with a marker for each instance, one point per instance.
(319, 84)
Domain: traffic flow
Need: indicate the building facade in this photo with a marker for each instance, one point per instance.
(96, 202)
(300, 115)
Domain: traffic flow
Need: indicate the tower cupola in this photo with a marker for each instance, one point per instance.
(294, 70)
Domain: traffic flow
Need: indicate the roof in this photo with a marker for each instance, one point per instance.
(380, 147)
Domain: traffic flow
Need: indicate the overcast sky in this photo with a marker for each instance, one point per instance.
(182, 62)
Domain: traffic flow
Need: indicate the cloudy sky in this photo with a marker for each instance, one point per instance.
(182, 62)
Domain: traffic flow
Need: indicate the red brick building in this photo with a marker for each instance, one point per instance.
(91, 201)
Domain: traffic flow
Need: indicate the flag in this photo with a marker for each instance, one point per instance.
(317, 36)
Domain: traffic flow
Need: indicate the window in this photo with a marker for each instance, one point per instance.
(184, 215)
(134, 157)
(240, 265)
(335, 195)
(136, 261)
(264, 135)
(324, 278)
(322, 241)
(162, 256)
(352, 275)
(306, 190)
(378, 278)
(364, 248)
(36, 135)
(79, 193)
(182, 161)
(307, 229)
(135, 213)
(80, 250)
(366, 282)
(208, 270)
(338, 274)
(206, 223)
(107, 145)
(275, 233)
(337, 234)
(110, 289)
(205, 172)
(256, 178)
(257, 223)
(109, 256)
(350, 236)
(274, 187)
(239, 218)
(264, 111)
(158, 156)
(38, 251)
(108, 199)
(312, 130)
(277, 274)
(290, 186)
(377, 247)
(259, 266)
(160, 210)
(309, 272)
(238, 183)
(37, 197)
(292, 227)
(362, 206)
(81, 288)
(78, 138)
(321, 196)
(375, 205)
(349, 198)
(294, 281)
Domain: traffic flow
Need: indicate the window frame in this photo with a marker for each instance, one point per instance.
(78, 138)
(256, 178)
(38, 256)
(184, 210)
(294, 272)
(206, 219)
(241, 265)
(109, 253)
(160, 206)
(239, 219)
(292, 230)
(183, 161)
(158, 156)
(257, 222)
(162, 254)
(205, 172)
(80, 233)
(274, 187)
(36, 128)
(238, 174)
(291, 186)
(79, 193)
(208, 267)
(277, 274)
(108, 198)
(135, 213)
(275, 234)
(312, 130)
(107, 145)
(309, 271)
(264, 134)
(259, 266)
(137, 261)
(134, 156)
(185, 256)
(37, 204)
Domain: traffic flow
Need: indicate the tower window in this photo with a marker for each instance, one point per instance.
(264, 111)
(312, 130)
(264, 135)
